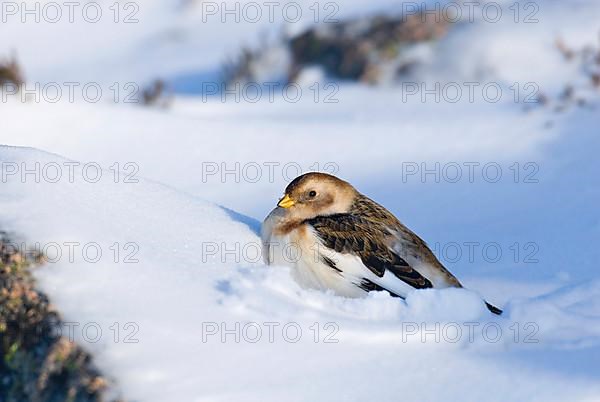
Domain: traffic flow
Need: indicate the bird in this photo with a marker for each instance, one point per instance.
(335, 238)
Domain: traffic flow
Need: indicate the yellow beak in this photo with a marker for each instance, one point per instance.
(286, 202)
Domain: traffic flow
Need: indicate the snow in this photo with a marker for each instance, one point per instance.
(178, 292)
(179, 295)
(197, 271)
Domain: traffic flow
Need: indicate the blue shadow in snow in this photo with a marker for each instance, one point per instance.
(252, 223)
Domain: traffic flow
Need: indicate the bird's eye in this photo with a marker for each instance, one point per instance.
(312, 194)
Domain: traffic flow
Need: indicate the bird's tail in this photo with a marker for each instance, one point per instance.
(493, 308)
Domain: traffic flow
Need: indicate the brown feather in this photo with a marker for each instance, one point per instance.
(351, 234)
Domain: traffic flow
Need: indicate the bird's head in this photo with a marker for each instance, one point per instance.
(317, 194)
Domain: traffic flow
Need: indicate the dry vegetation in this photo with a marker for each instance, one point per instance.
(578, 94)
(156, 94)
(353, 50)
(11, 72)
(37, 365)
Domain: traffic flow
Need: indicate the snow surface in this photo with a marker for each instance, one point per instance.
(179, 287)
(177, 291)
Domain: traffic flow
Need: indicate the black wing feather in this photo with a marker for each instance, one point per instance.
(349, 234)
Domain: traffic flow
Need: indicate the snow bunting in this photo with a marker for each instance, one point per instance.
(336, 238)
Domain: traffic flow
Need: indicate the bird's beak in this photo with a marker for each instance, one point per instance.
(286, 202)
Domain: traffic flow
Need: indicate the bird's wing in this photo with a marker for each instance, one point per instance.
(351, 234)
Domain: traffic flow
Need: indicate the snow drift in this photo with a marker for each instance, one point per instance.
(198, 319)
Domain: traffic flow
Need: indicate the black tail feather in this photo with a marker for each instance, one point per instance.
(493, 308)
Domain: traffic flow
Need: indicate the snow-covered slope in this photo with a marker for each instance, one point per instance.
(188, 40)
(190, 285)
